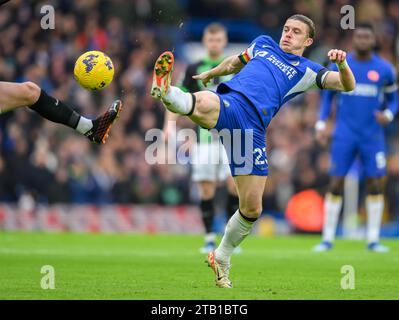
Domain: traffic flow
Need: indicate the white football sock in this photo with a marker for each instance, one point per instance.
(332, 208)
(236, 230)
(375, 208)
(84, 125)
(178, 101)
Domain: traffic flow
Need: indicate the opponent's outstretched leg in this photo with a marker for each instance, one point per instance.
(28, 94)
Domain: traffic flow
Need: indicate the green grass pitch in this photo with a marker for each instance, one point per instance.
(116, 266)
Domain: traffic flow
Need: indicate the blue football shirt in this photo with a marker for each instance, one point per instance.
(271, 77)
(376, 89)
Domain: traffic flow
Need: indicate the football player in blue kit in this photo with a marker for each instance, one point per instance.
(359, 132)
(267, 75)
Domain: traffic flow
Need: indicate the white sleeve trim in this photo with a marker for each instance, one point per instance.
(388, 113)
(323, 77)
(391, 88)
(250, 51)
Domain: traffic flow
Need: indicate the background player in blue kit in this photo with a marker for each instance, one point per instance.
(267, 75)
(361, 116)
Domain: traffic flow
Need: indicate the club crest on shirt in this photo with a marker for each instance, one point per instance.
(226, 103)
(373, 75)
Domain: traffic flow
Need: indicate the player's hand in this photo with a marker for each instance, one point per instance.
(321, 133)
(336, 55)
(168, 130)
(322, 137)
(382, 118)
(204, 77)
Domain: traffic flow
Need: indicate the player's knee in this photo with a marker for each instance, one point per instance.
(251, 208)
(31, 92)
(207, 192)
(231, 187)
(337, 187)
(252, 212)
(205, 102)
(373, 186)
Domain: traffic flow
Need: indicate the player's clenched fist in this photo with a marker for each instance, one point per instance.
(322, 137)
(336, 55)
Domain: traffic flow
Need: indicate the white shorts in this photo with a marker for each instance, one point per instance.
(209, 162)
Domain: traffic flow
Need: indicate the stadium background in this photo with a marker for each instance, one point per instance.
(48, 169)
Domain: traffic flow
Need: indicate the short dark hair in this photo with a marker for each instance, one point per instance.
(309, 22)
(215, 27)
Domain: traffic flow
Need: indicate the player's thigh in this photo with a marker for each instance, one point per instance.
(373, 157)
(231, 186)
(226, 174)
(204, 172)
(243, 136)
(207, 108)
(374, 185)
(250, 190)
(13, 95)
(207, 189)
(246, 151)
(224, 169)
(343, 153)
(204, 160)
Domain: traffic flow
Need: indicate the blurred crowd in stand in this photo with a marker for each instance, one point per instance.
(53, 164)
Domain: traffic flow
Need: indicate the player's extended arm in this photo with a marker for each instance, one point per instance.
(325, 110)
(228, 66)
(391, 99)
(325, 104)
(392, 102)
(344, 80)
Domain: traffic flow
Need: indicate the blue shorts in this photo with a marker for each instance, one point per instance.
(371, 155)
(242, 134)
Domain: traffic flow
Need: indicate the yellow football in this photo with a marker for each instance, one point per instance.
(94, 70)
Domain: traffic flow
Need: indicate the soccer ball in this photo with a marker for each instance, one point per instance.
(94, 70)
